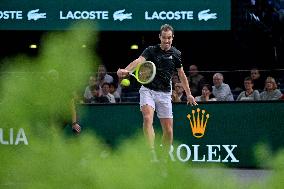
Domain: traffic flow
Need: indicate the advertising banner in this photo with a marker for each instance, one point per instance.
(215, 133)
(114, 15)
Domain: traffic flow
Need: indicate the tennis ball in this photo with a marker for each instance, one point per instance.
(125, 82)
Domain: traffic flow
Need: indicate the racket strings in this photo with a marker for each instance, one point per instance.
(145, 72)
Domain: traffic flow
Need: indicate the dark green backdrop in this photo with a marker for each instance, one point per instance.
(243, 124)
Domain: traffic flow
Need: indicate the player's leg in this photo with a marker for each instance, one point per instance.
(147, 106)
(167, 138)
(167, 127)
(148, 115)
(165, 114)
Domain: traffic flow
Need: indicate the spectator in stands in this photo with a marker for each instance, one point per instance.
(257, 79)
(178, 93)
(206, 94)
(249, 93)
(106, 92)
(270, 90)
(118, 86)
(103, 77)
(96, 97)
(114, 92)
(221, 91)
(88, 94)
(175, 79)
(196, 80)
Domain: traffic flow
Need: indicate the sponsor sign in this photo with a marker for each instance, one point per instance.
(10, 136)
(199, 119)
(116, 15)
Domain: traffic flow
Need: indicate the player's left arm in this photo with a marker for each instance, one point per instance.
(184, 82)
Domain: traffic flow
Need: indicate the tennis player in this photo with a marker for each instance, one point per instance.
(156, 96)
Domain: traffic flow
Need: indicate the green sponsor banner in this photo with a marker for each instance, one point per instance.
(233, 130)
(116, 15)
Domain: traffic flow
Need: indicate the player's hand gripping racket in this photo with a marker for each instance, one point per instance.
(144, 72)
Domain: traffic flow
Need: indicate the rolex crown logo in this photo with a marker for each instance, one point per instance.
(198, 124)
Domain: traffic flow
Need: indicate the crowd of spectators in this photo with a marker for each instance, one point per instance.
(104, 87)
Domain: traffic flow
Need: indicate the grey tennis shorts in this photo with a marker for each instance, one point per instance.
(161, 102)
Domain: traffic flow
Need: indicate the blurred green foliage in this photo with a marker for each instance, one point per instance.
(41, 97)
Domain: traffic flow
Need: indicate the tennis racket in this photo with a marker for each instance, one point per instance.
(144, 72)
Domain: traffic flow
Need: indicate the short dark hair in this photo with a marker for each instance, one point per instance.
(113, 84)
(105, 83)
(166, 27)
(248, 79)
(94, 87)
(208, 86)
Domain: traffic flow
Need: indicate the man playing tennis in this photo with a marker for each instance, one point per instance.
(156, 96)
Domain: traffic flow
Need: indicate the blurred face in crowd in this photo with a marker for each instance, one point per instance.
(254, 74)
(193, 70)
(102, 71)
(105, 89)
(206, 91)
(179, 88)
(248, 85)
(217, 80)
(166, 38)
(95, 92)
(111, 89)
(175, 79)
(92, 81)
(270, 84)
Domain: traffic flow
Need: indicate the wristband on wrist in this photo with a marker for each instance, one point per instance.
(74, 123)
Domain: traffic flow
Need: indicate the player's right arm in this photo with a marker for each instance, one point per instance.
(124, 72)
